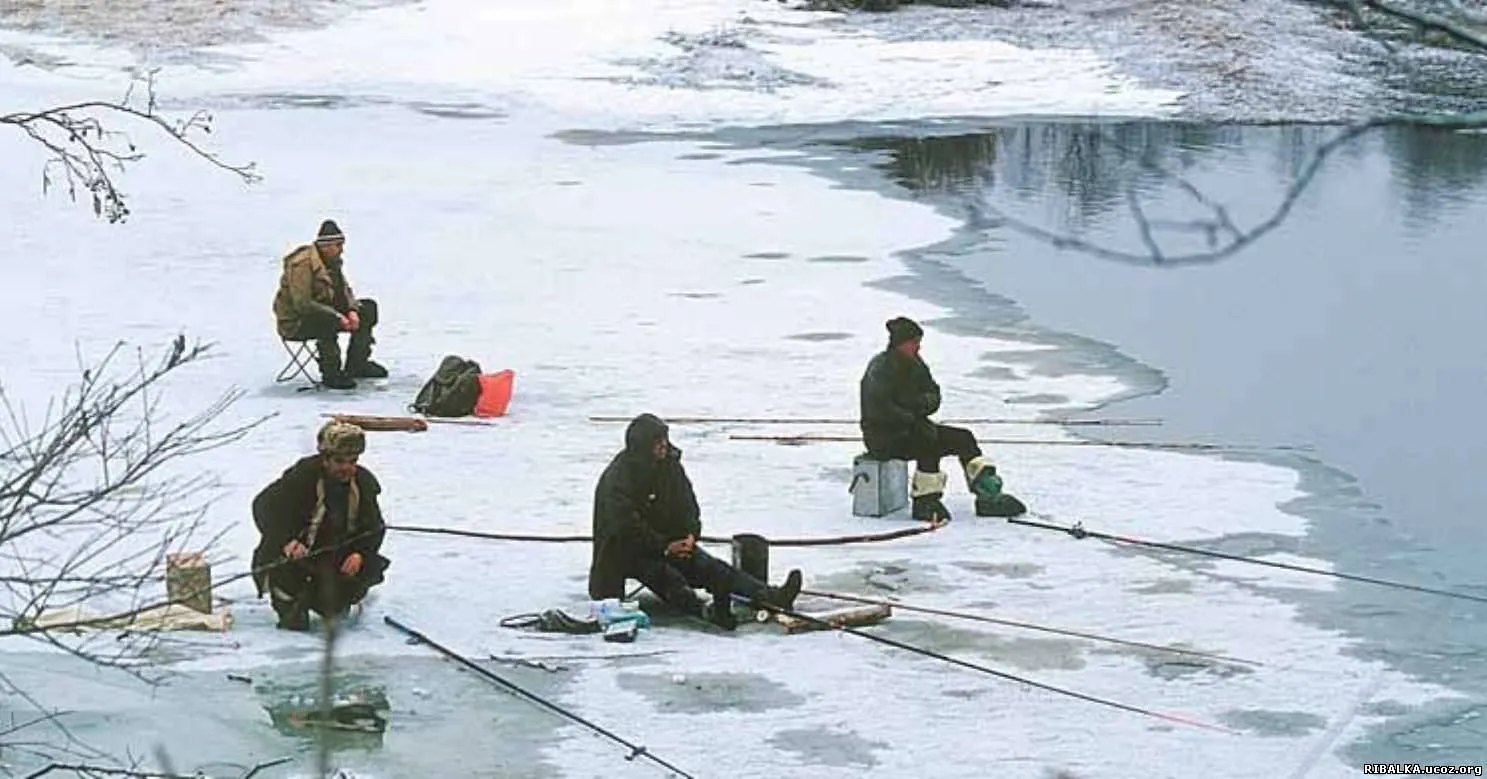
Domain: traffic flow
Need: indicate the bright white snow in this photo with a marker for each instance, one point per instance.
(613, 280)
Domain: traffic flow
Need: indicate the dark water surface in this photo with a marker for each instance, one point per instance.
(1356, 326)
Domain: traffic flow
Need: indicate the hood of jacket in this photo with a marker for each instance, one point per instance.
(640, 435)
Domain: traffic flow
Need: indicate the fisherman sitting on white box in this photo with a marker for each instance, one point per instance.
(898, 394)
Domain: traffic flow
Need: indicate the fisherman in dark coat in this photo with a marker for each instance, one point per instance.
(898, 395)
(321, 521)
(646, 524)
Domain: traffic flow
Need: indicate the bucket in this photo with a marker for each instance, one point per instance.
(495, 393)
(751, 555)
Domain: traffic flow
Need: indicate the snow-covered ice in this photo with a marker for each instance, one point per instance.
(616, 279)
(673, 63)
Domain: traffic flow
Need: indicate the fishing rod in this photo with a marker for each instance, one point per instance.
(863, 538)
(1077, 530)
(635, 751)
(702, 420)
(1028, 626)
(805, 438)
(984, 669)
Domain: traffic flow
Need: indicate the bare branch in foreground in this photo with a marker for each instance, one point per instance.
(89, 155)
(85, 770)
(89, 507)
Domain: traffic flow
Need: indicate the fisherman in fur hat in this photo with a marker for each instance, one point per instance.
(320, 531)
(898, 395)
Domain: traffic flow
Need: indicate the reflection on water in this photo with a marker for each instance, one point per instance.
(1435, 171)
(1355, 326)
(1081, 172)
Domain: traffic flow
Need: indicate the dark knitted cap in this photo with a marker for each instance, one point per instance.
(902, 330)
(329, 231)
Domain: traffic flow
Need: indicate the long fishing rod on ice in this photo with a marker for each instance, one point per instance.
(983, 669)
(896, 604)
(1077, 531)
(1196, 446)
(635, 750)
(705, 420)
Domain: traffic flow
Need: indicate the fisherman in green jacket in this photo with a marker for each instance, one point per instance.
(316, 302)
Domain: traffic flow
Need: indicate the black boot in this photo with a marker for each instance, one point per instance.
(926, 491)
(292, 615)
(366, 369)
(783, 597)
(1000, 505)
(359, 363)
(331, 374)
(720, 613)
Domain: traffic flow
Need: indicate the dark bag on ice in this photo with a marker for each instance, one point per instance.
(453, 390)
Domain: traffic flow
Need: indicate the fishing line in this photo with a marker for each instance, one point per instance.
(1365, 696)
(990, 671)
(635, 750)
(704, 420)
(1029, 626)
(811, 438)
(864, 538)
(1077, 530)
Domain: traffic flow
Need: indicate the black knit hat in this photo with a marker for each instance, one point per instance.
(902, 330)
(329, 232)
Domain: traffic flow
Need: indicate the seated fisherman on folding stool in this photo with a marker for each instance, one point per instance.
(898, 394)
(646, 523)
(315, 302)
(322, 515)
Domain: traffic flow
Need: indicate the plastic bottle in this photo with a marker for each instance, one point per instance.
(611, 610)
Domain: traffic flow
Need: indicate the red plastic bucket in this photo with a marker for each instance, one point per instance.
(495, 393)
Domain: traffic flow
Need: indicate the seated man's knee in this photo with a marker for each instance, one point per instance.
(367, 311)
(319, 326)
(958, 439)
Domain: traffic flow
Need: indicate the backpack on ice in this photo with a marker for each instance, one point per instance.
(453, 390)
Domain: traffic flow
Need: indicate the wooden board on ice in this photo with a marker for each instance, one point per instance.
(849, 616)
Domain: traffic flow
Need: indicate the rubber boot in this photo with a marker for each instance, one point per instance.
(982, 479)
(720, 612)
(783, 596)
(926, 491)
(1003, 505)
(331, 374)
(986, 485)
(292, 612)
(359, 363)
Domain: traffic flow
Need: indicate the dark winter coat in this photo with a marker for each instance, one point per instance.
(640, 506)
(898, 394)
(295, 506)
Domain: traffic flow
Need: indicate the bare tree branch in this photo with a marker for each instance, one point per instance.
(85, 770)
(87, 515)
(1459, 30)
(89, 155)
(91, 504)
